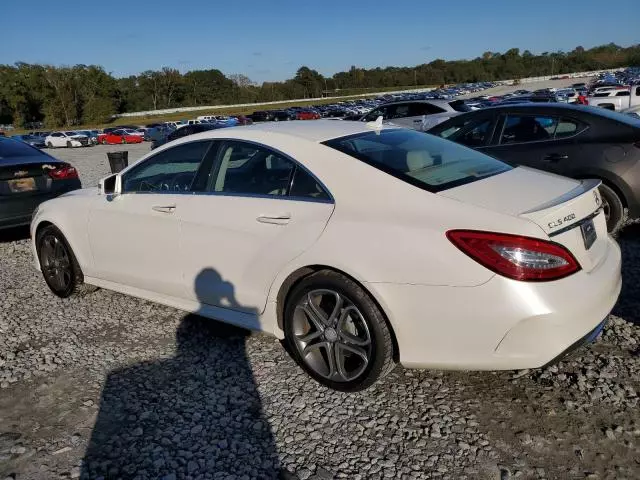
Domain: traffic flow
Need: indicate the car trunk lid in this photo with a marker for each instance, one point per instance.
(568, 211)
(26, 176)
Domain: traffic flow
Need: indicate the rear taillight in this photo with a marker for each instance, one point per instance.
(516, 257)
(66, 172)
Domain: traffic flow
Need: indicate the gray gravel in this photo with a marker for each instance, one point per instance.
(108, 386)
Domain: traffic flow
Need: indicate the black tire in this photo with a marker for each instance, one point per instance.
(381, 349)
(613, 208)
(49, 145)
(73, 278)
(69, 144)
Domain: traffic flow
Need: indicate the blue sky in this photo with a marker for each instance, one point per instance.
(269, 40)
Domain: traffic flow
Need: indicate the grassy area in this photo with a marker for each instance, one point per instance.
(142, 120)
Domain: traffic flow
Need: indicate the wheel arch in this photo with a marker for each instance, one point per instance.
(612, 181)
(300, 273)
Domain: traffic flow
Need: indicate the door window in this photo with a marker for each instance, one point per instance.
(248, 169)
(528, 128)
(566, 128)
(475, 136)
(305, 186)
(170, 171)
(419, 109)
(374, 114)
(399, 111)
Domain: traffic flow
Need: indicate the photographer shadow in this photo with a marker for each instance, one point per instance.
(193, 415)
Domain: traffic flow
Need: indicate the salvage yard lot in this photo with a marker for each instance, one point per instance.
(128, 385)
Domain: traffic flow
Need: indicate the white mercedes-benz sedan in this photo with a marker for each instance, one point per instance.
(360, 245)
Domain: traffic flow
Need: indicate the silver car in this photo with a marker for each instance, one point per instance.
(417, 114)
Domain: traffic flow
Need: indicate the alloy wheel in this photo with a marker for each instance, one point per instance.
(56, 262)
(331, 335)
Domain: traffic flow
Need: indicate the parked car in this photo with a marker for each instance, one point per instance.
(28, 177)
(92, 135)
(66, 139)
(619, 99)
(34, 141)
(576, 141)
(119, 136)
(257, 226)
(182, 132)
(307, 115)
(418, 114)
(261, 116)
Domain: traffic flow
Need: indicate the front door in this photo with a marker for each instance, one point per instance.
(135, 235)
(258, 212)
(537, 141)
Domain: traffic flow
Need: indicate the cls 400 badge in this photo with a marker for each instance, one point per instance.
(562, 221)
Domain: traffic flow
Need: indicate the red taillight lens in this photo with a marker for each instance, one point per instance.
(520, 258)
(65, 172)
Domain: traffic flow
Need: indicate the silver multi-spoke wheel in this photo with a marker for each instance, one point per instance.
(331, 335)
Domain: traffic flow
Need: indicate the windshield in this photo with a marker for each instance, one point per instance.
(423, 160)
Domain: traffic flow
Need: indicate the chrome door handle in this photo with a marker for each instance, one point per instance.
(417, 121)
(164, 208)
(279, 219)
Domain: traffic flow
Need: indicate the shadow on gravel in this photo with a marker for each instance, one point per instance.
(628, 306)
(14, 234)
(190, 416)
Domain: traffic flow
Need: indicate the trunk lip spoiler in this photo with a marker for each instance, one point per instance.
(585, 186)
(576, 224)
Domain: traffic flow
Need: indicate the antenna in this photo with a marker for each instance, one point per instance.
(377, 125)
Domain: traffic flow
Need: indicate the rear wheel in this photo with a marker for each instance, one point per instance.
(59, 266)
(69, 144)
(613, 208)
(337, 333)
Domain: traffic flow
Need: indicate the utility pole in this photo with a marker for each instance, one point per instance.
(415, 78)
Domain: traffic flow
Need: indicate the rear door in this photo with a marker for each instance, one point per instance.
(257, 210)
(540, 141)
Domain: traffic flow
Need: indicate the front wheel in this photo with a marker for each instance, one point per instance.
(69, 144)
(58, 263)
(49, 145)
(613, 209)
(337, 333)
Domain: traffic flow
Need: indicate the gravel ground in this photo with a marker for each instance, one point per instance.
(109, 386)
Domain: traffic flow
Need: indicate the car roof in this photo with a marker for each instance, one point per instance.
(314, 131)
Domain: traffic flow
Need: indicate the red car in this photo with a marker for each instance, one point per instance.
(307, 115)
(119, 136)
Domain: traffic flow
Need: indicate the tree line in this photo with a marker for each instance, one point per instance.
(87, 94)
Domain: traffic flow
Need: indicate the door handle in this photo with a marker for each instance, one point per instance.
(417, 121)
(278, 219)
(555, 157)
(163, 208)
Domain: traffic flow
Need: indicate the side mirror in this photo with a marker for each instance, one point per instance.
(110, 185)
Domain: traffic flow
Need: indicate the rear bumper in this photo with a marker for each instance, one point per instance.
(502, 324)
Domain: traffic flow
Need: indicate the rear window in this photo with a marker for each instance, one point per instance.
(13, 148)
(423, 160)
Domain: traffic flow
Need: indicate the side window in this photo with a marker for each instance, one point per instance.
(527, 128)
(248, 169)
(419, 109)
(623, 94)
(375, 113)
(399, 111)
(305, 186)
(638, 91)
(475, 136)
(566, 128)
(170, 171)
